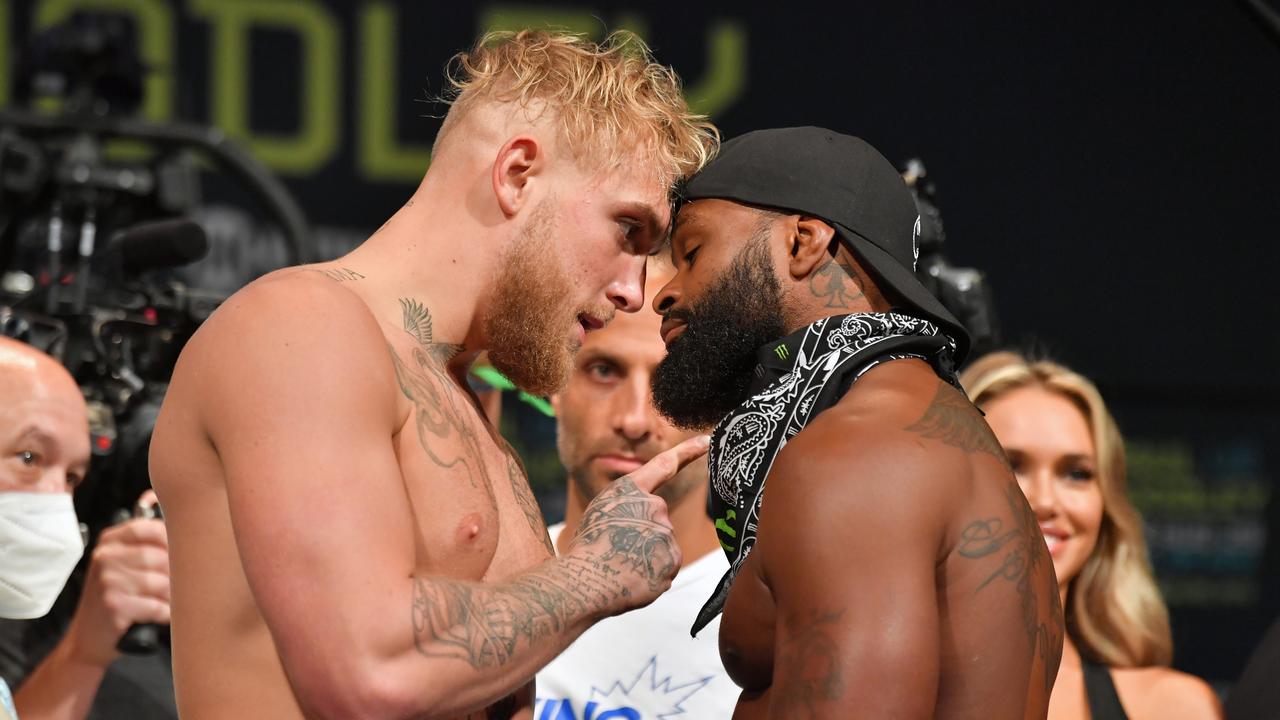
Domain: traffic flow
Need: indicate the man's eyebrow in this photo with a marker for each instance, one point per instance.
(37, 434)
(645, 214)
(685, 219)
(592, 354)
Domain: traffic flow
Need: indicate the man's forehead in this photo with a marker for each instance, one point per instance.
(630, 340)
(54, 422)
(16, 356)
(637, 182)
(705, 212)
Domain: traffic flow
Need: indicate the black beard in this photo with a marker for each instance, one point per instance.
(708, 368)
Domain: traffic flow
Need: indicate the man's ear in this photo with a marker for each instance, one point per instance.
(555, 403)
(519, 160)
(810, 246)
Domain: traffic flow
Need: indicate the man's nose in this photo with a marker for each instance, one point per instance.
(52, 480)
(633, 409)
(626, 292)
(668, 296)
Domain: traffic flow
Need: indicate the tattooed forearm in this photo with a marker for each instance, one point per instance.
(836, 283)
(485, 626)
(625, 520)
(342, 274)
(1023, 560)
(953, 420)
(808, 667)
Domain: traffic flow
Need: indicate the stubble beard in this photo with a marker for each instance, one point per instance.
(528, 326)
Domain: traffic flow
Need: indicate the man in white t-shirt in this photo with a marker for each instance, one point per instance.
(643, 664)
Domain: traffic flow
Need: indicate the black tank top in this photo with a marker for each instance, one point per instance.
(1100, 691)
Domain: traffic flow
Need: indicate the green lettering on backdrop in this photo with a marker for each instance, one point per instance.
(726, 74)
(154, 21)
(502, 17)
(379, 156)
(634, 23)
(317, 136)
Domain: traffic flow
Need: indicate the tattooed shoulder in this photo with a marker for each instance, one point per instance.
(952, 419)
(417, 322)
(341, 275)
(1019, 547)
(447, 431)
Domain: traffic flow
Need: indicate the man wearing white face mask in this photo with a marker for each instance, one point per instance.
(44, 453)
(44, 434)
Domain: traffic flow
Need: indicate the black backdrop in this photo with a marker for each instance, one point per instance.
(1111, 166)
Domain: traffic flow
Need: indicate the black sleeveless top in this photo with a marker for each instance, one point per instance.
(1100, 691)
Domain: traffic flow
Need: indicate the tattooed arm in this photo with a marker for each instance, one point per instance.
(302, 414)
(848, 547)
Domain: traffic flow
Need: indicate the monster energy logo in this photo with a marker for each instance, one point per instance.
(726, 528)
(781, 351)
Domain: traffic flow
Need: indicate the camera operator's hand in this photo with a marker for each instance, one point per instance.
(626, 528)
(127, 583)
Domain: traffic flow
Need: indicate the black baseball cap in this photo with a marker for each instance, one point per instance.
(849, 185)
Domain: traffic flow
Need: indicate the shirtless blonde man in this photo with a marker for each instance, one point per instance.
(349, 537)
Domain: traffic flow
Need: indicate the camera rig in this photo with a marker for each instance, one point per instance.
(964, 291)
(88, 241)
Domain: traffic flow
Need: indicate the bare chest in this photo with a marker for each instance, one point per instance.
(474, 514)
(747, 630)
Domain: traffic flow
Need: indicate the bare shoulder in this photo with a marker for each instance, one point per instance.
(859, 461)
(901, 444)
(897, 421)
(289, 328)
(926, 407)
(303, 295)
(840, 448)
(285, 309)
(1160, 692)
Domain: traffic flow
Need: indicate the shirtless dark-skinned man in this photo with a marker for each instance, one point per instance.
(349, 537)
(892, 567)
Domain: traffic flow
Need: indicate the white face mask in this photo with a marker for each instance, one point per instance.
(40, 545)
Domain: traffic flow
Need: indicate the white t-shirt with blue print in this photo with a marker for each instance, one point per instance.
(6, 702)
(643, 665)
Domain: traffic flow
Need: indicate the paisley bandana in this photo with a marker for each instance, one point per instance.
(798, 377)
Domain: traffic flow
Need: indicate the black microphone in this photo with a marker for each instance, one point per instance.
(160, 244)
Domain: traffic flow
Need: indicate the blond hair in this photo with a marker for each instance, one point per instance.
(610, 99)
(1114, 610)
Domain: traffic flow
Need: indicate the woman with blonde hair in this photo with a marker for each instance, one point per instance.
(1067, 453)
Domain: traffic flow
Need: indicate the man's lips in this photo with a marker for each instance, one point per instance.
(590, 322)
(671, 329)
(618, 462)
(587, 323)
